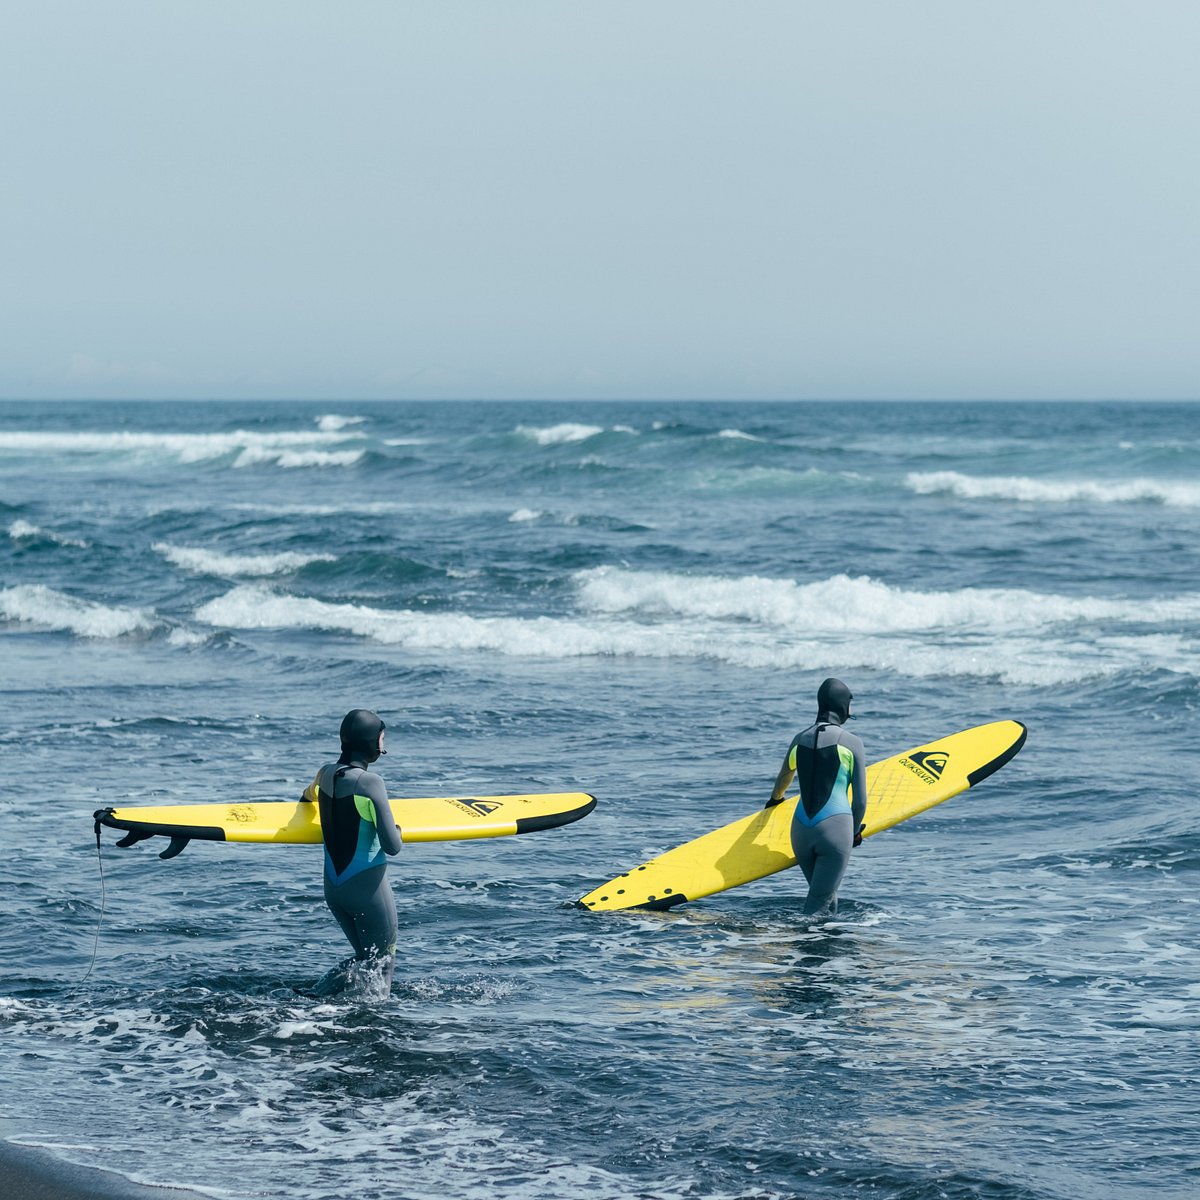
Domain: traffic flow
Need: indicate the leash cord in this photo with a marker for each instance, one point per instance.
(100, 918)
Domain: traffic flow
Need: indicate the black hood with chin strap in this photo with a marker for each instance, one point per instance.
(360, 736)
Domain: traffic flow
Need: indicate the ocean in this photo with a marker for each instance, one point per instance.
(636, 600)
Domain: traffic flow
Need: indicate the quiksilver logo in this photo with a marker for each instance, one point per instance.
(933, 761)
(482, 807)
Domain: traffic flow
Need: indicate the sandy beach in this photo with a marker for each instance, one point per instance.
(28, 1174)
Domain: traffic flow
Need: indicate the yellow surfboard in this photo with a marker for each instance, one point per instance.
(428, 819)
(760, 844)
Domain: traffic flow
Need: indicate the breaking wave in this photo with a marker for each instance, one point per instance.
(210, 562)
(336, 422)
(558, 435)
(1044, 491)
(34, 604)
(844, 604)
(769, 624)
(286, 449)
(23, 531)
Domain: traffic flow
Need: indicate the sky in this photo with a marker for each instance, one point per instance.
(594, 199)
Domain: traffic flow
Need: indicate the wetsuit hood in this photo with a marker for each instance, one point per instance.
(833, 701)
(360, 736)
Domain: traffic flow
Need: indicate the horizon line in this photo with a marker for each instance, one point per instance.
(285, 399)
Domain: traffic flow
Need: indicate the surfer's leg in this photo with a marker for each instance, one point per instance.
(832, 840)
(802, 848)
(343, 915)
(366, 910)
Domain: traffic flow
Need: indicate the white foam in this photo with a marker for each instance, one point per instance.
(556, 435)
(184, 447)
(21, 531)
(335, 422)
(845, 604)
(764, 624)
(254, 456)
(1043, 491)
(185, 638)
(254, 607)
(525, 514)
(737, 435)
(210, 562)
(34, 604)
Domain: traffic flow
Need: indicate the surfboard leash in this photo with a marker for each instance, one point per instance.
(100, 918)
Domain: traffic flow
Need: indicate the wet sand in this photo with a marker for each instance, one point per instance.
(28, 1174)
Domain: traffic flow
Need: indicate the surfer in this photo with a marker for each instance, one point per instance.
(359, 831)
(831, 767)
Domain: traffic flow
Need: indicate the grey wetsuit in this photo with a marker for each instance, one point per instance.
(830, 766)
(359, 832)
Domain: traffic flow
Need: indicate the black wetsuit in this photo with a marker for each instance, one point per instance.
(359, 832)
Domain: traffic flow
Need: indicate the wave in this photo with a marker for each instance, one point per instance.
(252, 607)
(765, 479)
(761, 624)
(831, 625)
(845, 604)
(336, 422)
(737, 435)
(557, 435)
(254, 456)
(209, 562)
(567, 432)
(287, 449)
(35, 604)
(1041, 491)
(23, 531)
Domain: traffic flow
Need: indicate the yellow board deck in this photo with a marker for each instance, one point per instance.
(760, 844)
(427, 819)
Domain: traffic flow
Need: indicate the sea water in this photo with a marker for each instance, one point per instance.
(638, 601)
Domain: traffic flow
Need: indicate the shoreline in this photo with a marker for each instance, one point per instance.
(32, 1173)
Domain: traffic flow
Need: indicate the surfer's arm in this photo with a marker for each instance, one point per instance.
(783, 778)
(858, 788)
(309, 795)
(369, 784)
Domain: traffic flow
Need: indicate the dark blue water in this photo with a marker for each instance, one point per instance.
(638, 601)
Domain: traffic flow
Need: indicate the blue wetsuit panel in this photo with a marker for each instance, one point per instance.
(838, 798)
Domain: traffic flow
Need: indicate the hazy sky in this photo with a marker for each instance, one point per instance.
(655, 198)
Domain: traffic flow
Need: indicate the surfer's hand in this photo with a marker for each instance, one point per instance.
(774, 801)
(858, 835)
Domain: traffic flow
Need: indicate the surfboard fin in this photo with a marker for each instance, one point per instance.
(131, 838)
(176, 847)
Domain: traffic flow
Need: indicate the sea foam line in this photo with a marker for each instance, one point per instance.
(296, 448)
(210, 562)
(24, 531)
(1043, 491)
(557, 435)
(846, 604)
(35, 604)
(335, 422)
(1014, 654)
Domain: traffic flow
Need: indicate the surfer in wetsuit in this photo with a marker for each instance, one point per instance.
(359, 832)
(830, 765)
